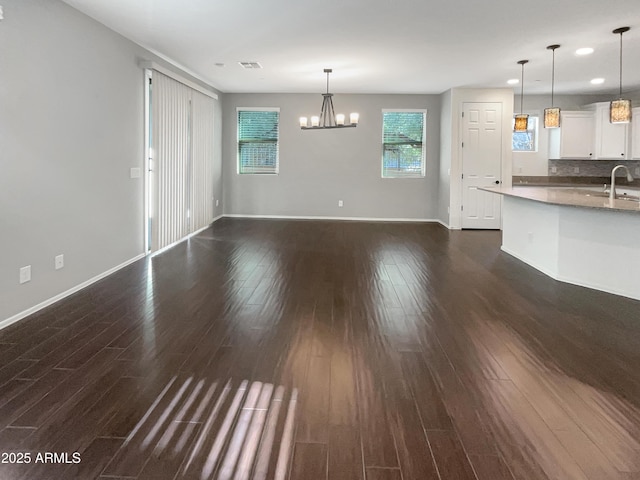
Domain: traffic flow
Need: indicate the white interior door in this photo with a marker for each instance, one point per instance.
(481, 164)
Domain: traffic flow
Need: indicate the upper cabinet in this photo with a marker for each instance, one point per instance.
(635, 133)
(575, 137)
(588, 134)
(612, 140)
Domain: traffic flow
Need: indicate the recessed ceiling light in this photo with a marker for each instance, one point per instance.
(597, 81)
(584, 51)
(513, 81)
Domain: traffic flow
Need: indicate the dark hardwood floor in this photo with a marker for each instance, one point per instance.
(325, 350)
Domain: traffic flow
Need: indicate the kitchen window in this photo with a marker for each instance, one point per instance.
(403, 143)
(526, 141)
(258, 132)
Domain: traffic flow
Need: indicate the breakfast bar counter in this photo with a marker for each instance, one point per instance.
(575, 235)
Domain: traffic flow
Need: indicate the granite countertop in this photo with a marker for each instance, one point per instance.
(589, 197)
(564, 181)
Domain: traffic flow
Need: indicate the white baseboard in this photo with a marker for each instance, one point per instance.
(574, 281)
(548, 273)
(60, 296)
(352, 219)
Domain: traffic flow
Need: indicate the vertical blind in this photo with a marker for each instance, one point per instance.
(201, 204)
(403, 144)
(258, 141)
(182, 162)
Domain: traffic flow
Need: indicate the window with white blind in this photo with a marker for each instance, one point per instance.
(258, 140)
(403, 143)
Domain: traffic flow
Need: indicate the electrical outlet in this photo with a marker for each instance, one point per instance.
(217, 202)
(576, 169)
(59, 262)
(637, 170)
(530, 236)
(25, 274)
(554, 169)
(134, 172)
(1, 13)
(340, 203)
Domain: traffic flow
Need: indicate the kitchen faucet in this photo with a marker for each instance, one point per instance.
(612, 193)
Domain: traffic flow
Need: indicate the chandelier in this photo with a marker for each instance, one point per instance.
(328, 118)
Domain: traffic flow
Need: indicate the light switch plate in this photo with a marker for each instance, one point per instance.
(135, 172)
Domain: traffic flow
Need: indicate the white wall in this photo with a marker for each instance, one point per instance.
(318, 168)
(71, 127)
(536, 163)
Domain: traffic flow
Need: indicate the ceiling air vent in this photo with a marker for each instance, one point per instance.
(250, 65)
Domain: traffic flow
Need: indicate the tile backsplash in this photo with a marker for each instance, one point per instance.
(591, 168)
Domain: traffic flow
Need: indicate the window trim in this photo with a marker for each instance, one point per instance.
(423, 172)
(257, 109)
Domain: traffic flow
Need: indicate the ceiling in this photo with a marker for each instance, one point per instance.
(384, 46)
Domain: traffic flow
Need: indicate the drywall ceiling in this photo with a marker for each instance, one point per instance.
(384, 46)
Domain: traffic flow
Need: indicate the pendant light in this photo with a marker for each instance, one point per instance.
(328, 118)
(521, 119)
(620, 110)
(552, 114)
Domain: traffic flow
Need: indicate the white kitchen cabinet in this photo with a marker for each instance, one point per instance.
(576, 136)
(635, 133)
(612, 139)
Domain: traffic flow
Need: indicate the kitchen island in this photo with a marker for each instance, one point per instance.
(575, 235)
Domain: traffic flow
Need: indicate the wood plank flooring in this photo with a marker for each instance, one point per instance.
(304, 350)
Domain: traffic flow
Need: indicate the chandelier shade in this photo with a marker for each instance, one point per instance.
(620, 111)
(552, 117)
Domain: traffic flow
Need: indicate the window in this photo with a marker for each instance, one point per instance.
(403, 138)
(258, 141)
(526, 141)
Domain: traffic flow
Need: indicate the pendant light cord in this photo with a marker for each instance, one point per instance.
(522, 89)
(621, 64)
(553, 73)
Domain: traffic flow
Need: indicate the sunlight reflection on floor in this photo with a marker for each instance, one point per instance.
(218, 430)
